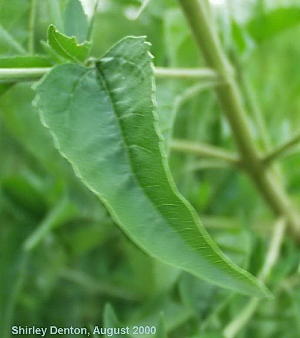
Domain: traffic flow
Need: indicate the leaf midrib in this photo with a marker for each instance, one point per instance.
(126, 145)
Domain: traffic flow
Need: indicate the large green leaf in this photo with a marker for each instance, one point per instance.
(103, 122)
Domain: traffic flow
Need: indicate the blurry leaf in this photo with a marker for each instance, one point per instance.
(110, 317)
(4, 87)
(12, 278)
(9, 43)
(161, 328)
(180, 47)
(21, 119)
(67, 47)
(55, 9)
(13, 26)
(151, 276)
(171, 95)
(165, 276)
(235, 244)
(197, 295)
(269, 24)
(102, 121)
(86, 237)
(107, 287)
(75, 21)
(175, 314)
(112, 323)
(242, 41)
(24, 195)
(142, 267)
(60, 214)
(286, 265)
(295, 299)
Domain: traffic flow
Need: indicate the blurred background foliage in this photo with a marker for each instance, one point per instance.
(63, 260)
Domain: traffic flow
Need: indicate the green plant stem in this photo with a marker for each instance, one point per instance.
(21, 74)
(30, 74)
(205, 150)
(281, 150)
(194, 90)
(210, 164)
(187, 73)
(231, 102)
(234, 327)
(238, 323)
(145, 3)
(274, 248)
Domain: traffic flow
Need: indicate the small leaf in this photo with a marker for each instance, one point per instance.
(103, 122)
(75, 21)
(67, 47)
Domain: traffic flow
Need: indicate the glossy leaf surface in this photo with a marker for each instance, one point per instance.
(103, 122)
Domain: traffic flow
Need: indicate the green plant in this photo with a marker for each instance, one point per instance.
(123, 136)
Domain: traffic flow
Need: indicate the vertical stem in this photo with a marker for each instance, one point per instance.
(231, 102)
